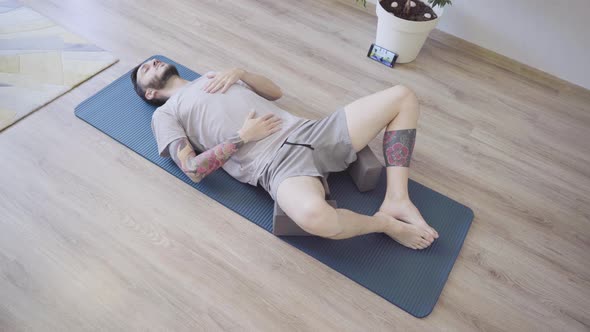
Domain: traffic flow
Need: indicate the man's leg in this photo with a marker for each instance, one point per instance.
(397, 110)
(302, 199)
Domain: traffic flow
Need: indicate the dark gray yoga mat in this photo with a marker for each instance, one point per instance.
(410, 279)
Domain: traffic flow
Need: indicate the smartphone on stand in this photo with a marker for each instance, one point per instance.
(382, 55)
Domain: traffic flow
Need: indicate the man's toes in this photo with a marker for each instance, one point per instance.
(432, 232)
(428, 240)
(426, 235)
(435, 233)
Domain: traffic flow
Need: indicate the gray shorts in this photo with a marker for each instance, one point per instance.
(316, 148)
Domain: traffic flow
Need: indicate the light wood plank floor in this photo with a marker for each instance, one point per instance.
(94, 237)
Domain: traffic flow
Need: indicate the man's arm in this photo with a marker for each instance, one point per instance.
(261, 85)
(196, 167)
(258, 83)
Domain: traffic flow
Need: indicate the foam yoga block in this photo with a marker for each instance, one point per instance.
(282, 224)
(365, 171)
(411, 279)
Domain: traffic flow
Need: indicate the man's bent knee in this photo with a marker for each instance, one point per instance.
(403, 91)
(410, 99)
(319, 218)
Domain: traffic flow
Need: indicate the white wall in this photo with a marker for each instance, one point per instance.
(553, 36)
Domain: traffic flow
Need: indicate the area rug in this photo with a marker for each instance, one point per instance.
(40, 61)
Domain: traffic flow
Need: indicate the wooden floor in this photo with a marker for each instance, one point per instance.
(95, 237)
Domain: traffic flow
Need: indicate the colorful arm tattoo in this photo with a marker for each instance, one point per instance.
(196, 167)
(398, 146)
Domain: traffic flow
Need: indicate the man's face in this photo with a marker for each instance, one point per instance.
(153, 75)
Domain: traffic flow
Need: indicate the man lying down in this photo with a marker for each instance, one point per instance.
(229, 118)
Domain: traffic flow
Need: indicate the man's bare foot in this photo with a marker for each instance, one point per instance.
(409, 235)
(405, 210)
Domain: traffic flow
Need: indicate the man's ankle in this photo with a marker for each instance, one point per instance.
(397, 197)
(385, 222)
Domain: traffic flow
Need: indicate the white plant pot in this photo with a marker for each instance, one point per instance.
(403, 37)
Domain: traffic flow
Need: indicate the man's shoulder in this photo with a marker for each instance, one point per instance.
(165, 108)
(157, 112)
(162, 114)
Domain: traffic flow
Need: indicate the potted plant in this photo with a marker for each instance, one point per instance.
(404, 25)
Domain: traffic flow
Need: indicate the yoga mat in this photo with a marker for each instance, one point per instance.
(410, 279)
(40, 61)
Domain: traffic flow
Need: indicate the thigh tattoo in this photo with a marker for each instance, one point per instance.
(398, 146)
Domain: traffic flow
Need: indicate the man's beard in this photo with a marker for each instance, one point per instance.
(160, 83)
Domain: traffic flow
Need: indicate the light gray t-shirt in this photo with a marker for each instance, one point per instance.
(208, 119)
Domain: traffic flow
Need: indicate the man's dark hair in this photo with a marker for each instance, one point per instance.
(140, 90)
